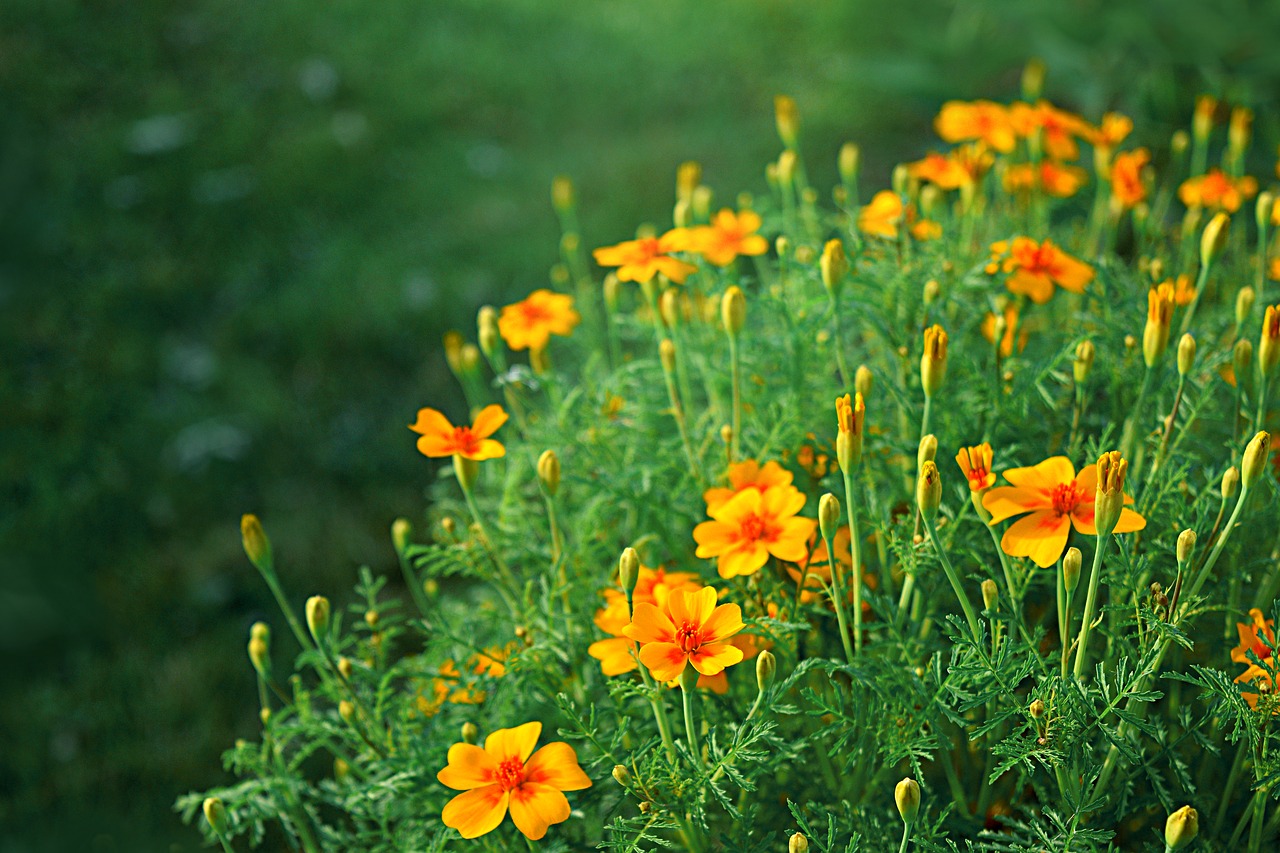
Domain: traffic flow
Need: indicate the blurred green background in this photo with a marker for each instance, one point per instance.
(232, 234)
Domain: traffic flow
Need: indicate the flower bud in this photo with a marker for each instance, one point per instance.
(929, 294)
(933, 363)
(990, 594)
(1071, 562)
(1214, 239)
(346, 710)
(1230, 482)
(700, 201)
(1032, 80)
(1186, 354)
(470, 359)
(1084, 361)
(862, 380)
(1241, 360)
(470, 733)
(401, 530)
(488, 335)
(216, 813)
(907, 797)
(847, 162)
(667, 354)
(927, 451)
(341, 770)
(849, 418)
(834, 265)
(1202, 118)
(798, 844)
(1179, 143)
(1155, 335)
(766, 668)
(1109, 497)
(318, 617)
(788, 119)
(562, 194)
(1255, 459)
(733, 310)
(787, 168)
(1266, 204)
(453, 343)
(1186, 545)
(688, 177)
(726, 435)
(829, 515)
(260, 649)
(1269, 343)
(1244, 305)
(1181, 828)
(466, 470)
(929, 490)
(669, 307)
(612, 290)
(900, 180)
(549, 471)
(1037, 709)
(345, 667)
(256, 544)
(1238, 129)
(622, 775)
(628, 569)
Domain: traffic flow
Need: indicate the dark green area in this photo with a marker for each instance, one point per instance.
(232, 234)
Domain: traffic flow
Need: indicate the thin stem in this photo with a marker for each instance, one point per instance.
(274, 585)
(1090, 605)
(855, 548)
(952, 577)
(690, 729)
(655, 698)
(906, 837)
(737, 396)
(837, 596)
(487, 543)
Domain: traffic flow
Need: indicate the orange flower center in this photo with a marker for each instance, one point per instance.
(689, 637)
(464, 438)
(534, 313)
(510, 773)
(1066, 497)
(977, 478)
(754, 528)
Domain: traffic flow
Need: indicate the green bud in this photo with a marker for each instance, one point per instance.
(907, 797)
(216, 814)
(766, 668)
(622, 775)
(318, 617)
(1254, 462)
(1181, 828)
(990, 594)
(1186, 545)
(929, 490)
(470, 733)
(1071, 569)
(829, 515)
(629, 569)
(1186, 354)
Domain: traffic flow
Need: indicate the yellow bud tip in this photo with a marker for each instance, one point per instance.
(829, 515)
(401, 530)
(1071, 563)
(318, 617)
(933, 362)
(1230, 482)
(906, 795)
(346, 710)
(1181, 828)
(929, 490)
(256, 544)
(1269, 342)
(834, 265)
(1254, 463)
(622, 775)
(549, 471)
(1037, 709)
(1186, 545)
(470, 733)
(733, 310)
(928, 449)
(1109, 498)
(788, 119)
(628, 569)
(798, 844)
(766, 668)
(216, 814)
(1186, 354)
(1214, 238)
(990, 594)
(862, 380)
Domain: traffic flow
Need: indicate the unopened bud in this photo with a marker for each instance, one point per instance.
(1037, 709)
(612, 289)
(216, 814)
(834, 266)
(1179, 142)
(990, 594)
(470, 359)
(628, 569)
(549, 471)
(1214, 238)
(667, 354)
(1181, 828)
(467, 471)
(401, 530)
(928, 490)
(1269, 342)
(900, 180)
(766, 668)
(788, 119)
(798, 844)
(787, 168)
(1071, 569)
(907, 797)
(733, 310)
(341, 770)
(862, 380)
(726, 435)
(933, 362)
(847, 162)
(346, 710)
(927, 451)
(318, 617)
(256, 544)
(1244, 305)
(470, 733)
(622, 775)
(1242, 361)
(930, 293)
(669, 307)
(1186, 545)
(562, 193)
(260, 650)
(1254, 462)
(488, 334)
(1230, 483)
(1109, 497)
(1186, 354)
(1032, 80)
(345, 667)
(1266, 204)
(645, 807)
(829, 515)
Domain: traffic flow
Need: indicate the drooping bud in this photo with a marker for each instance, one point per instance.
(828, 515)
(216, 814)
(1181, 828)
(1230, 483)
(487, 331)
(1071, 563)
(766, 669)
(927, 451)
(1186, 354)
(1155, 335)
(1269, 343)
(318, 617)
(1255, 459)
(1214, 239)
(628, 569)
(1109, 498)
(849, 418)
(862, 380)
(933, 363)
(257, 547)
(907, 797)
(622, 775)
(1244, 305)
(834, 266)
(1083, 362)
(928, 490)
(990, 594)
(788, 119)
(549, 471)
(733, 311)
(1186, 545)
(470, 733)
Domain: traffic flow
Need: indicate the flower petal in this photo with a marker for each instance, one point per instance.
(649, 625)
(723, 623)
(665, 661)
(1042, 536)
(742, 560)
(1054, 471)
(476, 812)
(1005, 501)
(556, 764)
(469, 767)
(691, 607)
(710, 659)
(535, 807)
(518, 742)
(431, 422)
(487, 422)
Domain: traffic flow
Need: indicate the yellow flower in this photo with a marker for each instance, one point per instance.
(1034, 268)
(441, 438)
(885, 212)
(1217, 191)
(1127, 186)
(1055, 179)
(529, 324)
(729, 235)
(653, 586)
(1251, 639)
(1059, 128)
(748, 474)
(688, 630)
(975, 462)
(640, 260)
(960, 121)
(1011, 321)
(750, 526)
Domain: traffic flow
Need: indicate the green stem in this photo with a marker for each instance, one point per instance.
(906, 837)
(952, 577)
(690, 729)
(1090, 605)
(503, 570)
(737, 396)
(855, 549)
(837, 596)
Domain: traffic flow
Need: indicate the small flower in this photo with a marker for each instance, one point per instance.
(942, 170)
(1052, 178)
(728, 236)
(1127, 186)
(960, 121)
(689, 629)
(1011, 321)
(1056, 499)
(748, 474)
(1252, 636)
(441, 438)
(653, 586)
(1217, 191)
(975, 462)
(508, 774)
(885, 212)
(640, 260)
(750, 526)
(529, 324)
(1110, 132)
(1059, 128)
(493, 661)
(1034, 268)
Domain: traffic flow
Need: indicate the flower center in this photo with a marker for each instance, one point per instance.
(753, 528)
(534, 313)
(978, 474)
(1065, 498)
(510, 773)
(689, 637)
(464, 438)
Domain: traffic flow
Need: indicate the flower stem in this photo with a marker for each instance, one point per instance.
(1090, 605)
(855, 548)
(906, 837)
(952, 577)
(837, 596)
(737, 396)
(690, 729)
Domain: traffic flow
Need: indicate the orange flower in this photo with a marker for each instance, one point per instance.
(1127, 186)
(445, 688)
(1036, 267)
(885, 212)
(750, 526)
(748, 474)
(1057, 499)
(975, 462)
(1262, 649)
(493, 661)
(939, 169)
(441, 438)
(959, 121)
(688, 629)
(1054, 179)
(1059, 128)
(1217, 191)
(531, 323)
(640, 260)
(1114, 129)
(653, 586)
(728, 236)
(1011, 321)
(507, 773)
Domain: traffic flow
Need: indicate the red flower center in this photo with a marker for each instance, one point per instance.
(1066, 498)
(689, 637)
(510, 773)
(464, 438)
(753, 528)
(977, 477)
(534, 312)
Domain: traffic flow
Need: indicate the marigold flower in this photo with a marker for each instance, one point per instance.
(1155, 335)
(975, 462)
(640, 260)
(508, 774)
(960, 121)
(942, 170)
(881, 217)
(1127, 186)
(441, 438)
(1011, 322)
(446, 687)
(1055, 179)
(1217, 191)
(729, 235)
(850, 416)
(1034, 268)
(653, 586)
(747, 528)
(530, 323)
(818, 566)
(1056, 499)
(748, 474)
(1110, 132)
(1251, 639)
(1059, 128)
(688, 629)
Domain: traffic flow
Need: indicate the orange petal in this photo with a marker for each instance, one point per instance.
(723, 623)
(714, 537)
(781, 501)
(556, 764)
(1042, 536)
(487, 422)
(431, 422)
(710, 659)
(435, 446)
(1129, 522)
(519, 742)
(469, 767)
(614, 655)
(1005, 501)
(1087, 480)
(665, 661)
(650, 625)
(691, 607)
(1054, 471)
(535, 807)
(741, 505)
(742, 560)
(476, 812)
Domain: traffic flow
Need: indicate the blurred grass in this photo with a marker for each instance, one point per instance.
(231, 236)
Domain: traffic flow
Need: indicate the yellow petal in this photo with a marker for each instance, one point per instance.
(476, 812)
(518, 742)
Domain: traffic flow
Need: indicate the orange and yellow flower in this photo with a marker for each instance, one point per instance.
(508, 775)
(750, 526)
(728, 236)
(882, 216)
(1251, 639)
(960, 121)
(1034, 268)
(689, 629)
(1127, 186)
(748, 474)
(1059, 128)
(1011, 322)
(447, 687)
(1056, 499)
(1217, 191)
(942, 170)
(1113, 129)
(530, 323)
(640, 260)
(1053, 178)
(653, 586)
(975, 462)
(441, 438)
